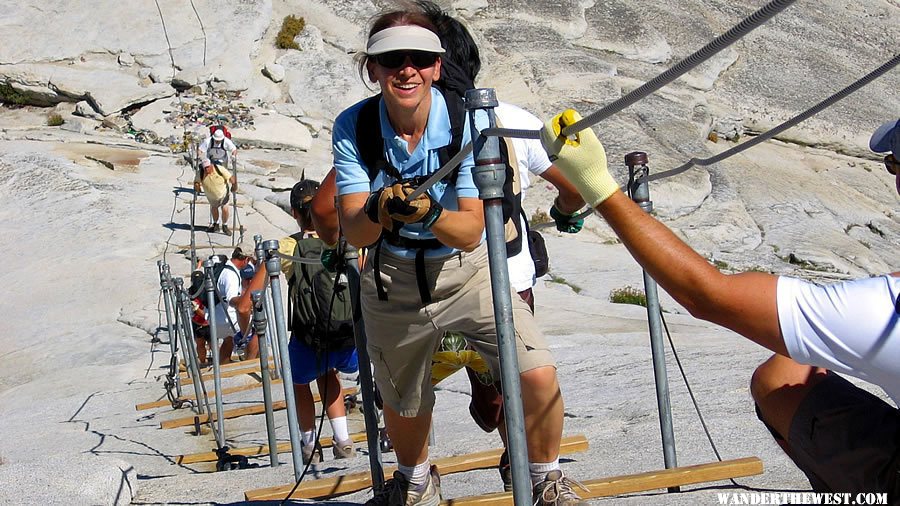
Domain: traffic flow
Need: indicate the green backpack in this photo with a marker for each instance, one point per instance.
(319, 301)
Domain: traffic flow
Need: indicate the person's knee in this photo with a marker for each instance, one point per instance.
(777, 373)
(539, 378)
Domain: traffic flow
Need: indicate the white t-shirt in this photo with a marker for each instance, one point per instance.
(229, 287)
(203, 149)
(851, 327)
(531, 157)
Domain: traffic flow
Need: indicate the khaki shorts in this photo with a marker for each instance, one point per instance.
(402, 334)
(214, 202)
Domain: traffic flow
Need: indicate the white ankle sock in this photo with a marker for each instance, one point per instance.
(540, 469)
(339, 428)
(417, 474)
(309, 437)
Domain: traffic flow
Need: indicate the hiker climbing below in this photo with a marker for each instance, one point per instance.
(321, 326)
(433, 249)
(229, 287)
(215, 153)
(842, 437)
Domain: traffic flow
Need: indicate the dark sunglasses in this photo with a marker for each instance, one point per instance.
(891, 164)
(395, 59)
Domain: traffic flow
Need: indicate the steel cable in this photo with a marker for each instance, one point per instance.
(702, 162)
(747, 25)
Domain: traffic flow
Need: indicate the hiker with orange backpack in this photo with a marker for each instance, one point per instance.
(215, 153)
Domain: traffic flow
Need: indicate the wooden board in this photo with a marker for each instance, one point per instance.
(252, 451)
(230, 390)
(629, 483)
(230, 365)
(225, 374)
(322, 488)
(255, 409)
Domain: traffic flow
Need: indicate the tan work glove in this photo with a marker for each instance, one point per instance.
(582, 159)
(376, 209)
(422, 209)
(196, 186)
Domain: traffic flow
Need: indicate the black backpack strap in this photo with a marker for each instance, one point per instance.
(376, 271)
(421, 280)
(291, 282)
(369, 140)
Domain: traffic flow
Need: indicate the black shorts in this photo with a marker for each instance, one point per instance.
(846, 439)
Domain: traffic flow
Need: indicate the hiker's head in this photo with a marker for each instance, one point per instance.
(403, 55)
(301, 197)
(455, 39)
(886, 139)
(239, 259)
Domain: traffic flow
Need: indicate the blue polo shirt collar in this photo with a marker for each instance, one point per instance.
(437, 132)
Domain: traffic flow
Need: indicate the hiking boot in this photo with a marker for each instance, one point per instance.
(556, 489)
(214, 228)
(505, 471)
(225, 229)
(343, 449)
(312, 452)
(397, 492)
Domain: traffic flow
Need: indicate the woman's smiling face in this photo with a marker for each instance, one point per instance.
(405, 86)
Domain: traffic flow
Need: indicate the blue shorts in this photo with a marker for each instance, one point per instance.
(306, 366)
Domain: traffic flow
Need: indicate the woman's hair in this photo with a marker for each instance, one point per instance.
(409, 15)
(455, 39)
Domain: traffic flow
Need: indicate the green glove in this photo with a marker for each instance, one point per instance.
(582, 159)
(566, 222)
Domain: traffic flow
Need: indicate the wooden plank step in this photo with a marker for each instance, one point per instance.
(255, 409)
(230, 365)
(327, 487)
(252, 451)
(230, 390)
(225, 374)
(629, 483)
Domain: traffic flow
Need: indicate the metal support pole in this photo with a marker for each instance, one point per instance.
(639, 191)
(233, 201)
(366, 381)
(166, 287)
(489, 175)
(273, 268)
(270, 317)
(259, 327)
(179, 335)
(183, 304)
(214, 344)
(191, 158)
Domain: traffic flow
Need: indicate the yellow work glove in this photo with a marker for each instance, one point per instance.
(582, 159)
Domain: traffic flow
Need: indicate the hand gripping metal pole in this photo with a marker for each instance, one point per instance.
(259, 327)
(273, 268)
(166, 288)
(639, 191)
(366, 382)
(214, 344)
(489, 174)
(267, 305)
(191, 349)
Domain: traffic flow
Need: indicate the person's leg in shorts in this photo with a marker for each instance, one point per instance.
(308, 365)
(470, 312)
(842, 437)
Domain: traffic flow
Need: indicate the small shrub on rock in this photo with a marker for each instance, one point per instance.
(290, 28)
(628, 295)
(54, 119)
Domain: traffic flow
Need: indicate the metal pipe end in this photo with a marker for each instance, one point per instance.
(481, 98)
(636, 158)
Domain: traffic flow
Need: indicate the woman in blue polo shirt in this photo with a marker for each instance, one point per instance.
(427, 270)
